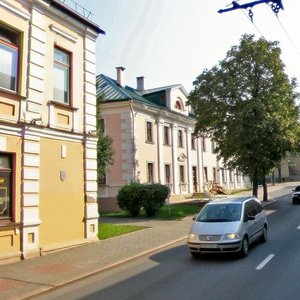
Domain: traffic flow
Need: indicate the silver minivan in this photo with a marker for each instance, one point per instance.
(228, 225)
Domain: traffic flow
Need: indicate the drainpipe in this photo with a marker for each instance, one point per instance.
(133, 141)
(158, 147)
(23, 254)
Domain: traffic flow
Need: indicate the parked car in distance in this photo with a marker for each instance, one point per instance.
(228, 225)
(296, 195)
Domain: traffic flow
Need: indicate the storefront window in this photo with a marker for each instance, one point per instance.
(5, 187)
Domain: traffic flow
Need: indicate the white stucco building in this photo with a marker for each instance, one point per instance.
(152, 132)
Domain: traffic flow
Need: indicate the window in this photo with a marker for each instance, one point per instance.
(9, 58)
(168, 173)
(223, 175)
(230, 176)
(215, 174)
(193, 143)
(150, 172)
(213, 147)
(181, 174)
(180, 138)
(205, 174)
(61, 88)
(166, 136)
(238, 177)
(179, 104)
(203, 142)
(5, 187)
(149, 132)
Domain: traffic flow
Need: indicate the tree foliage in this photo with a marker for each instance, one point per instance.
(105, 151)
(246, 104)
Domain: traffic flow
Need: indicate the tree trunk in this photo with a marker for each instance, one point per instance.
(255, 184)
(279, 174)
(265, 189)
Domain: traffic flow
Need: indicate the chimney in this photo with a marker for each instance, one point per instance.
(140, 83)
(120, 76)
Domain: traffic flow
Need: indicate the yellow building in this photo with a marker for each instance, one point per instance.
(48, 187)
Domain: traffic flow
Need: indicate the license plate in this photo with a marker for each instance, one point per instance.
(206, 246)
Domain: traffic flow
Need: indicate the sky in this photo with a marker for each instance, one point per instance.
(173, 41)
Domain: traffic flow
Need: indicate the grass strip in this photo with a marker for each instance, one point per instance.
(167, 212)
(108, 230)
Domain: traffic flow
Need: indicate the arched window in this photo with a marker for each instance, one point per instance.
(179, 104)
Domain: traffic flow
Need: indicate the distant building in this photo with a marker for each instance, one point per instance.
(152, 132)
(48, 175)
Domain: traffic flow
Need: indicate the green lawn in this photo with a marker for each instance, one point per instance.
(108, 230)
(172, 212)
(168, 212)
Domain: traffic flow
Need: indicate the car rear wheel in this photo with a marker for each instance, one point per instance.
(245, 248)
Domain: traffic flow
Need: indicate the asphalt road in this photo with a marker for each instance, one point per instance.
(270, 271)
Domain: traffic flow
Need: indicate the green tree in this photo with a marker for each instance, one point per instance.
(105, 151)
(247, 105)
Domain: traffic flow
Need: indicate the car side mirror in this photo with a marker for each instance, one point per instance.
(194, 218)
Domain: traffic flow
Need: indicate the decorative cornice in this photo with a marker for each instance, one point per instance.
(63, 33)
(26, 16)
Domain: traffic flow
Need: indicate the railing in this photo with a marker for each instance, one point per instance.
(183, 187)
(78, 8)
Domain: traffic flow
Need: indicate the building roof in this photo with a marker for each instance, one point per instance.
(81, 17)
(164, 88)
(112, 91)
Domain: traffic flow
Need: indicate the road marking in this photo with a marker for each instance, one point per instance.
(262, 264)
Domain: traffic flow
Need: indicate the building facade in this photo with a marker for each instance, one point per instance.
(152, 132)
(48, 178)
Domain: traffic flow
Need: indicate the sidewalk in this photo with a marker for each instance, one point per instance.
(30, 277)
(27, 278)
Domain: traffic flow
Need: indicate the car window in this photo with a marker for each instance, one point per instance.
(258, 207)
(220, 213)
(297, 189)
(249, 210)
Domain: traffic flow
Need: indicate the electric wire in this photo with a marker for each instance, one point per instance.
(253, 24)
(288, 36)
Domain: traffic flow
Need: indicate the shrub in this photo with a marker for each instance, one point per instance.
(132, 197)
(129, 198)
(153, 198)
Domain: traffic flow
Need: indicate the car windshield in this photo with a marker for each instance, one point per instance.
(297, 189)
(220, 213)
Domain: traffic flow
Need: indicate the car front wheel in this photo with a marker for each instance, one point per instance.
(195, 254)
(264, 235)
(245, 248)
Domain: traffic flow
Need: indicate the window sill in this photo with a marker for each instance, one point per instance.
(9, 224)
(149, 142)
(62, 105)
(4, 90)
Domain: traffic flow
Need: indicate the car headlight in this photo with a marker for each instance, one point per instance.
(193, 236)
(232, 236)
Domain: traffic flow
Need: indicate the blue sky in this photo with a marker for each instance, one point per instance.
(173, 41)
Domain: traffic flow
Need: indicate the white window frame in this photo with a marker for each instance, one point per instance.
(62, 77)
